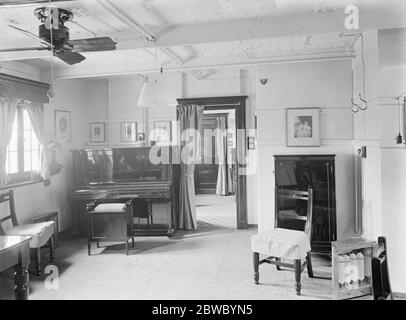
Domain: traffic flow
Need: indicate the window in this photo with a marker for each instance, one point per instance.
(23, 152)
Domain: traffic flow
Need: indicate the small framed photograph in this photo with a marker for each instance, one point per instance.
(303, 127)
(128, 131)
(162, 131)
(97, 132)
(62, 125)
(141, 136)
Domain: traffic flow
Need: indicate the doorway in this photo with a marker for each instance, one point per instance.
(215, 182)
(208, 202)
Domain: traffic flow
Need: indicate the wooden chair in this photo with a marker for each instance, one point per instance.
(40, 233)
(380, 274)
(285, 247)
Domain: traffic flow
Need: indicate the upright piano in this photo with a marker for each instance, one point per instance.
(125, 173)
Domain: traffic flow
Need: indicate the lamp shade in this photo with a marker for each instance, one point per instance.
(155, 94)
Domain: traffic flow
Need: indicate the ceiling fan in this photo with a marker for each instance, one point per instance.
(54, 35)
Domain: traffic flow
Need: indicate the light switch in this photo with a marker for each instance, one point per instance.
(251, 143)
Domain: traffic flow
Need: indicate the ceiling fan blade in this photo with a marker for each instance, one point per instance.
(24, 49)
(70, 57)
(92, 44)
(30, 34)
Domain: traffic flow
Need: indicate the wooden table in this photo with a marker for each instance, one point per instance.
(15, 251)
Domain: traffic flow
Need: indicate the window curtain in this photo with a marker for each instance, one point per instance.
(221, 149)
(8, 109)
(189, 117)
(48, 166)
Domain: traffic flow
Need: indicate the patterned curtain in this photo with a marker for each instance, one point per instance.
(221, 150)
(48, 152)
(190, 123)
(8, 109)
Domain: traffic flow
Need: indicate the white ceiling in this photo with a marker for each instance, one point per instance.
(202, 33)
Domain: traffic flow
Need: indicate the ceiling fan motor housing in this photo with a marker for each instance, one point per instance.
(59, 36)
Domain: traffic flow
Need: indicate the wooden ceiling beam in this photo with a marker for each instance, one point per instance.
(14, 3)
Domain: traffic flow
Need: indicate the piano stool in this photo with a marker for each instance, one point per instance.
(109, 209)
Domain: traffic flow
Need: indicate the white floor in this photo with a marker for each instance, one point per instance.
(212, 262)
(206, 264)
(215, 210)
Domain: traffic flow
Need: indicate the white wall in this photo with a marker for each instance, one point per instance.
(34, 199)
(384, 181)
(122, 104)
(326, 85)
(96, 102)
(393, 217)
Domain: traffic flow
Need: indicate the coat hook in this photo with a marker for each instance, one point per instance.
(356, 109)
(364, 101)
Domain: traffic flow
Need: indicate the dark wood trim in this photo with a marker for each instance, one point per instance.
(10, 78)
(237, 100)
(238, 103)
(23, 89)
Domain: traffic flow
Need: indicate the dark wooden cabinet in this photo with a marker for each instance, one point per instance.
(299, 172)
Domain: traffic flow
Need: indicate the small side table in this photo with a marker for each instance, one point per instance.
(48, 216)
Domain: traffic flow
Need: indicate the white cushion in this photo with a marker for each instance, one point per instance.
(282, 243)
(40, 232)
(109, 207)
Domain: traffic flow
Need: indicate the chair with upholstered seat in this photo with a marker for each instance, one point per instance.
(41, 233)
(285, 247)
(102, 216)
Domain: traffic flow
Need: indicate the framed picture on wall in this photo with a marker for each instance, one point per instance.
(303, 127)
(62, 125)
(97, 132)
(162, 131)
(141, 136)
(128, 131)
(140, 131)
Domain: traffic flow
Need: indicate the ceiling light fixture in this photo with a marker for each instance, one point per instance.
(152, 94)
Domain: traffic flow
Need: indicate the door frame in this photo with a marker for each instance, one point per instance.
(209, 116)
(238, 103)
